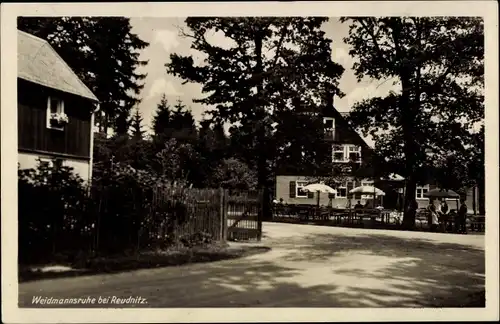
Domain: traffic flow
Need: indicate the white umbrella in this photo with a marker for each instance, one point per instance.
(368, 190)
(319, 187)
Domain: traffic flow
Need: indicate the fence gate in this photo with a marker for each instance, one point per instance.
(243, 211)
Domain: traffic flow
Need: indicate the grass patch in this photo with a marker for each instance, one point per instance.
(143, 260)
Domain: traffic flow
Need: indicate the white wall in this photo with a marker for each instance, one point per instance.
(29, 160)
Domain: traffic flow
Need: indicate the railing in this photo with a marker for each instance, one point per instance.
(372, 218)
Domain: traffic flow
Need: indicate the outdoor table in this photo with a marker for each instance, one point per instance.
(303, 213)
(447, 222)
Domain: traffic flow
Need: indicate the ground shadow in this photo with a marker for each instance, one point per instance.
(443, 274)
(421, 273)
(120, 263)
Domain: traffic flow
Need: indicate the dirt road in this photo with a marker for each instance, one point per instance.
(308, 266)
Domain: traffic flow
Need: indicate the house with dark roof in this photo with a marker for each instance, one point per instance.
(55, 109)
(348, 147)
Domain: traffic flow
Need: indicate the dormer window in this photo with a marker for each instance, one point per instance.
(56, 117)
(328, 122)
(329, 128)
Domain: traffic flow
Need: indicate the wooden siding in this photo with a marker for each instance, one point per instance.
(33, 134)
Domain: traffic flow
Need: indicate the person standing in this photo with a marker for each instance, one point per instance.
(444, 214)
(462, 217)
(433, 216)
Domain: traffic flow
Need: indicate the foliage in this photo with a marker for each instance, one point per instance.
(173, 122)
(162, 117)
(51, 203)
(212, 146)
(137, 127)
(272, 60)
(173, 160)
(234, 174)
(441, 96)
(272, 65)
(124, 209)
(197, 239)
(183, 123)
(104, 53)
(137, 153)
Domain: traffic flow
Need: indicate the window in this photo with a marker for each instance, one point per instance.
(329, 128)
(338, 153)
(46, 163)
(421, 191)
(354, 153)
(328, 122)
(346, 153)
(342, 190)
(300, 191)
(56, 117)
(55, 163)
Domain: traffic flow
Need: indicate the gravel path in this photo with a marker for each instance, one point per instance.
(308, 266)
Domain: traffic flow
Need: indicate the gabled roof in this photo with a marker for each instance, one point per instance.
(333, 112)
(39, 63)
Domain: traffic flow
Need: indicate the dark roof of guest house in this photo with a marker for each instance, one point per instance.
(39, 63)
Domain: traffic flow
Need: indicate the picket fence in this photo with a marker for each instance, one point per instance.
(111, 221)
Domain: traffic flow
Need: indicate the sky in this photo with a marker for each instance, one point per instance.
(164, 38)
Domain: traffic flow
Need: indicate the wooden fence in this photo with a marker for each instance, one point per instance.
(114, 219)
(243, 211)
(196, 210)
(221, 213)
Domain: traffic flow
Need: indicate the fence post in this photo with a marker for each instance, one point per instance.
(260, 214)
(223, 213)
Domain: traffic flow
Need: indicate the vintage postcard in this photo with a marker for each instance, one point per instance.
(249, 161)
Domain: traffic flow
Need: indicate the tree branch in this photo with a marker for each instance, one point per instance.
(373, 37)
(280, 43)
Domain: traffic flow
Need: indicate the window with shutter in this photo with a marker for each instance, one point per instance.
(300, 193)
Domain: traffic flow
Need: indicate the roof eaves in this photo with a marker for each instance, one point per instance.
(90, 94)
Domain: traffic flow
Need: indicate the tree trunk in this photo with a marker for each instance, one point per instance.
(410, 148)
(407, 110)
(409, 213)
(262, 167)
(481, 200)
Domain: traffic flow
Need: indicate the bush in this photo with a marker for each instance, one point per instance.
(51, 211)
(197, 239)
(124, 210)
